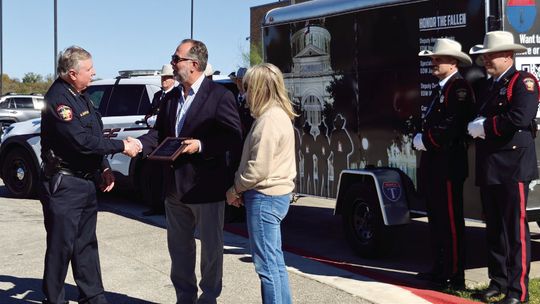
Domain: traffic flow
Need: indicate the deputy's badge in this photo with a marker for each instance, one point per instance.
(529, 84)
(64, 112)
(461, 94)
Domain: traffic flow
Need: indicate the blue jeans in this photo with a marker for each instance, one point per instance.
(264, 216)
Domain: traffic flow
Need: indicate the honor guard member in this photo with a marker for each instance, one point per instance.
(72, 150)
(443, 165)
(167, 84)
(152, 172)
(243, 107)
(505, 164)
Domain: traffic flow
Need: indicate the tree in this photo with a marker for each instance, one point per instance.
(253, 56)
(32, 78)
(32, 83)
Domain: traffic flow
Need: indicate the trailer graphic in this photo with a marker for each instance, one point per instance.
(352, 72)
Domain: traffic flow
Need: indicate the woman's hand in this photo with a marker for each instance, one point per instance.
(233, 198)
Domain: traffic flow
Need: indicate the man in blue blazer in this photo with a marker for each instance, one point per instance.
(196, 182)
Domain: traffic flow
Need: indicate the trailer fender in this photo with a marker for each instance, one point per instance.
(388, 186)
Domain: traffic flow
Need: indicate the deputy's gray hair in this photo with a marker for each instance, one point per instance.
(198, 52)
(69, 59)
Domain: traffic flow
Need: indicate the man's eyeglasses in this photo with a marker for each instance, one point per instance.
(176, 59)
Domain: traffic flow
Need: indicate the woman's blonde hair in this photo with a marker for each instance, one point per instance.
(265, 88)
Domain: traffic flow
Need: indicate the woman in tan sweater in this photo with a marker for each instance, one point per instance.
(265, 178)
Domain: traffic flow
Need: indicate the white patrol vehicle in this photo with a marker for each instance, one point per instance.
(123, 103)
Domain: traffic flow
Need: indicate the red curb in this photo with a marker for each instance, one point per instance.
(432, 296)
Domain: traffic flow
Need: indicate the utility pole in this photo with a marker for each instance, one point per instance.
(191, 19)
(1, 50)
(55, 37)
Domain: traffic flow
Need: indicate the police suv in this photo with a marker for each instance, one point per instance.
(122, 101)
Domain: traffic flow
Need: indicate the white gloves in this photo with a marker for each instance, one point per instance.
(417, 142)
(151, 121)
(476, 128)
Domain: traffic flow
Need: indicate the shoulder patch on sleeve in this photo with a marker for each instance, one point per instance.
(529, 83)
(64, 112)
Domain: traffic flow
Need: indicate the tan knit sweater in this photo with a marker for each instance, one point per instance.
(268, 162)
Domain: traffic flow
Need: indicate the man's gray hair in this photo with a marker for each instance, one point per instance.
(198, 51)
(69, 59)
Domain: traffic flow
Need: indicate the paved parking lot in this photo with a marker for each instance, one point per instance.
(323, 269)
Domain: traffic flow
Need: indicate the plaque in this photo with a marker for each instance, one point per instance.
(168, 149)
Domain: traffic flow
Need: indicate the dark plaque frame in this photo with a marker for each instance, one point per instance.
(169, 149)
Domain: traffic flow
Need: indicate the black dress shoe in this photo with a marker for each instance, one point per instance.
(486, 294)
(456, 284)
(508, 300)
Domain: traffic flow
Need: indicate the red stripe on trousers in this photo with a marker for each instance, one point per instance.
(522, 224)
(452, 225)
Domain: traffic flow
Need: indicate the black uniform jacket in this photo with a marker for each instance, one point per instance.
(73, 129)
(213, 119)
(444, 129)
(507, 154)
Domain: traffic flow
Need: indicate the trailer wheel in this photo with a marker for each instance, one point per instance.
(362, 221)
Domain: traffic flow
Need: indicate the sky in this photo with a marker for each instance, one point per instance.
(122, 34)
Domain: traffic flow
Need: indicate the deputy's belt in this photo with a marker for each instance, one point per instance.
(79, 174)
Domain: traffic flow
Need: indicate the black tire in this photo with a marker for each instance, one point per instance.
(363, 223)
(20, 174)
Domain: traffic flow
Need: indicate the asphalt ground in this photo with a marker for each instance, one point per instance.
(322, 268)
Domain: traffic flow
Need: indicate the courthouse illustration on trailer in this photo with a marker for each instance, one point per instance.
(325, 148)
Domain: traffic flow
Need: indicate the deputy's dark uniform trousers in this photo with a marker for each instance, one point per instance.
(73, 149)
(70, 221)
(505, 164)
(442, 172)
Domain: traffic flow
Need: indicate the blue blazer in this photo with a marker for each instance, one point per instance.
(214, 120)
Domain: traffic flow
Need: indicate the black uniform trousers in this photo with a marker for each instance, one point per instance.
(508, 239)
(445, 214)
(70, 212)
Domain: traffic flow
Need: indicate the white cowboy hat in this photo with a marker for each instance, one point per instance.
(497, 41)
(167, 70)
(209, 71)
(447, 47)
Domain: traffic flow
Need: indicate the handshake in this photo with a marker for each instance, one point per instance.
(132, 146)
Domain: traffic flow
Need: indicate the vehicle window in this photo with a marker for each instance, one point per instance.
(99, 95)
(23, 102)
(125, 100)
(4, 104)
(146, 104)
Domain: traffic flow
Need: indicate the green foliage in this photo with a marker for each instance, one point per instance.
(534, 292)
(31, 83)
(256, 54)
(32, 78)
(253, 56)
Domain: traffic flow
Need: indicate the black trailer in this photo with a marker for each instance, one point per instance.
(353, 72)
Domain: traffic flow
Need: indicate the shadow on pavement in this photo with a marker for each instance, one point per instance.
(317, 234)
(16, 290)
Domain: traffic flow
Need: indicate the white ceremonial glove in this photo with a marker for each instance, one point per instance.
(476, 128)
(151, 121)
(417, 142)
